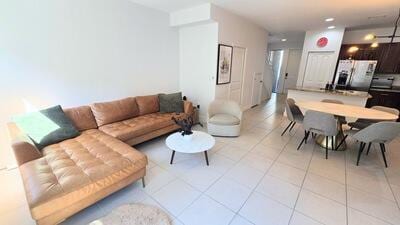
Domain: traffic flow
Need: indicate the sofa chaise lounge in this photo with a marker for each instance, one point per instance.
(64, 178)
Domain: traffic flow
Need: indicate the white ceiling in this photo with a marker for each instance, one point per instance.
(294, 16)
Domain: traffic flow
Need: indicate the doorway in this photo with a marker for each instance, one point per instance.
(257, 85)
(285, 68)
(292, 69)
(275, 60)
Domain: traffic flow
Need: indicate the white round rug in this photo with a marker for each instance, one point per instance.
(134, 214)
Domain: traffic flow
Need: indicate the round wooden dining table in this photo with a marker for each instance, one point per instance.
(349, 111)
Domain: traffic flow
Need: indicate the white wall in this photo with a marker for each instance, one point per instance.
(237, 31)
(201, 13)
(357, 36)
(74, 52)
(198, 63)
(286, 45)
(334, 36)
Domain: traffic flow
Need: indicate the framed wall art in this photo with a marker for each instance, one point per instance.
(224, 64)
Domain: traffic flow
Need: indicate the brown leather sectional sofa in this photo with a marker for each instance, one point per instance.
(64, 178)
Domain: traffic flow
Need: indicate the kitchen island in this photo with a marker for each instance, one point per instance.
(349, 97)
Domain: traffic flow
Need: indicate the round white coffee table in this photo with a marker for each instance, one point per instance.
(199, 142)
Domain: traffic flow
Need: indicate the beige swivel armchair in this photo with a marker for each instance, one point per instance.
(224, 118)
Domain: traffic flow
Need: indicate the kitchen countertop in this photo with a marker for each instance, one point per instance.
(361, 94)
(395, 89)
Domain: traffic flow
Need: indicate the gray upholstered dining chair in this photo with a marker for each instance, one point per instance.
(341, 119)
(380, 132)
(293, 114)
(363, 123)
(319, 123)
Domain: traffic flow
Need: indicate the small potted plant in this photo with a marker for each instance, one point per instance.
(185, 126)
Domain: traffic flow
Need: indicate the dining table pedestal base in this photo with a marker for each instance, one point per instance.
(332, 141)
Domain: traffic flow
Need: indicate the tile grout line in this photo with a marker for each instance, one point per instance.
(274, 161)
(374, 195)
(253, 189)
(390, 186)
(302, 184)
(204, 192)
(345, 187)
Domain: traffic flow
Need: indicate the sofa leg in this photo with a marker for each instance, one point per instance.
(143, 182)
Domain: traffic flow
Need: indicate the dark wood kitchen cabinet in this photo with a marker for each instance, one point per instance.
(384, 98)
(389, 60)
(387, 55)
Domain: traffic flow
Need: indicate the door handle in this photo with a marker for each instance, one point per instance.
(286, 75)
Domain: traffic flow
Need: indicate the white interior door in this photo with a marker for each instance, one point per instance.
(235, 89)
(257, 84)
(292, 69)
(319, 69)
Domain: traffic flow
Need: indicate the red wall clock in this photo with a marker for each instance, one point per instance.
(322, 42)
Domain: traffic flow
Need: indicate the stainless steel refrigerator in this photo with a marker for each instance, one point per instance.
(355, 74)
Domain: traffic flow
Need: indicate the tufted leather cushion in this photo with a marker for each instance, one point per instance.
(114, 111)
(77, 168)
(82, 117)
(137, 126)
(148, 104)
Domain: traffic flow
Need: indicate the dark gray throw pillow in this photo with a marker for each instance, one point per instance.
(47, 126)
(171, 103)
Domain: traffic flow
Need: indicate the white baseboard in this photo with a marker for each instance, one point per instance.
(12, 167)
(246, 107)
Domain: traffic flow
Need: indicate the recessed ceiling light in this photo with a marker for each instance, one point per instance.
(284, 39)
(331, 27)
(329, 19)
(369, 37)
(374, 45)
(352, 49)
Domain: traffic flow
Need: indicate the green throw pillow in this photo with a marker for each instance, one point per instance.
(47, 126)
(171, 103)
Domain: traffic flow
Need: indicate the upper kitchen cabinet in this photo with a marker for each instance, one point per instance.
(388, 55)
(389, 60)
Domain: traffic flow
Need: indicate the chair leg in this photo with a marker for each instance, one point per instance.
(305, 137)
(369, 147)
(333, 145)
(143, 182)
(286, 128)
(383, 150)
(326, 147)
(341, 142)
(308, 134)
(294, 123)
(362, 145)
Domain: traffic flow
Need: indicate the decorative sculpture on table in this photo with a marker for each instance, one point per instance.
(185, 124)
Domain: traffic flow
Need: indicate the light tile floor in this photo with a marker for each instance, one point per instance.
(257, 178)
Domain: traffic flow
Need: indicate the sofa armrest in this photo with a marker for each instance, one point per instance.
(22, 145)
(188, 107)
